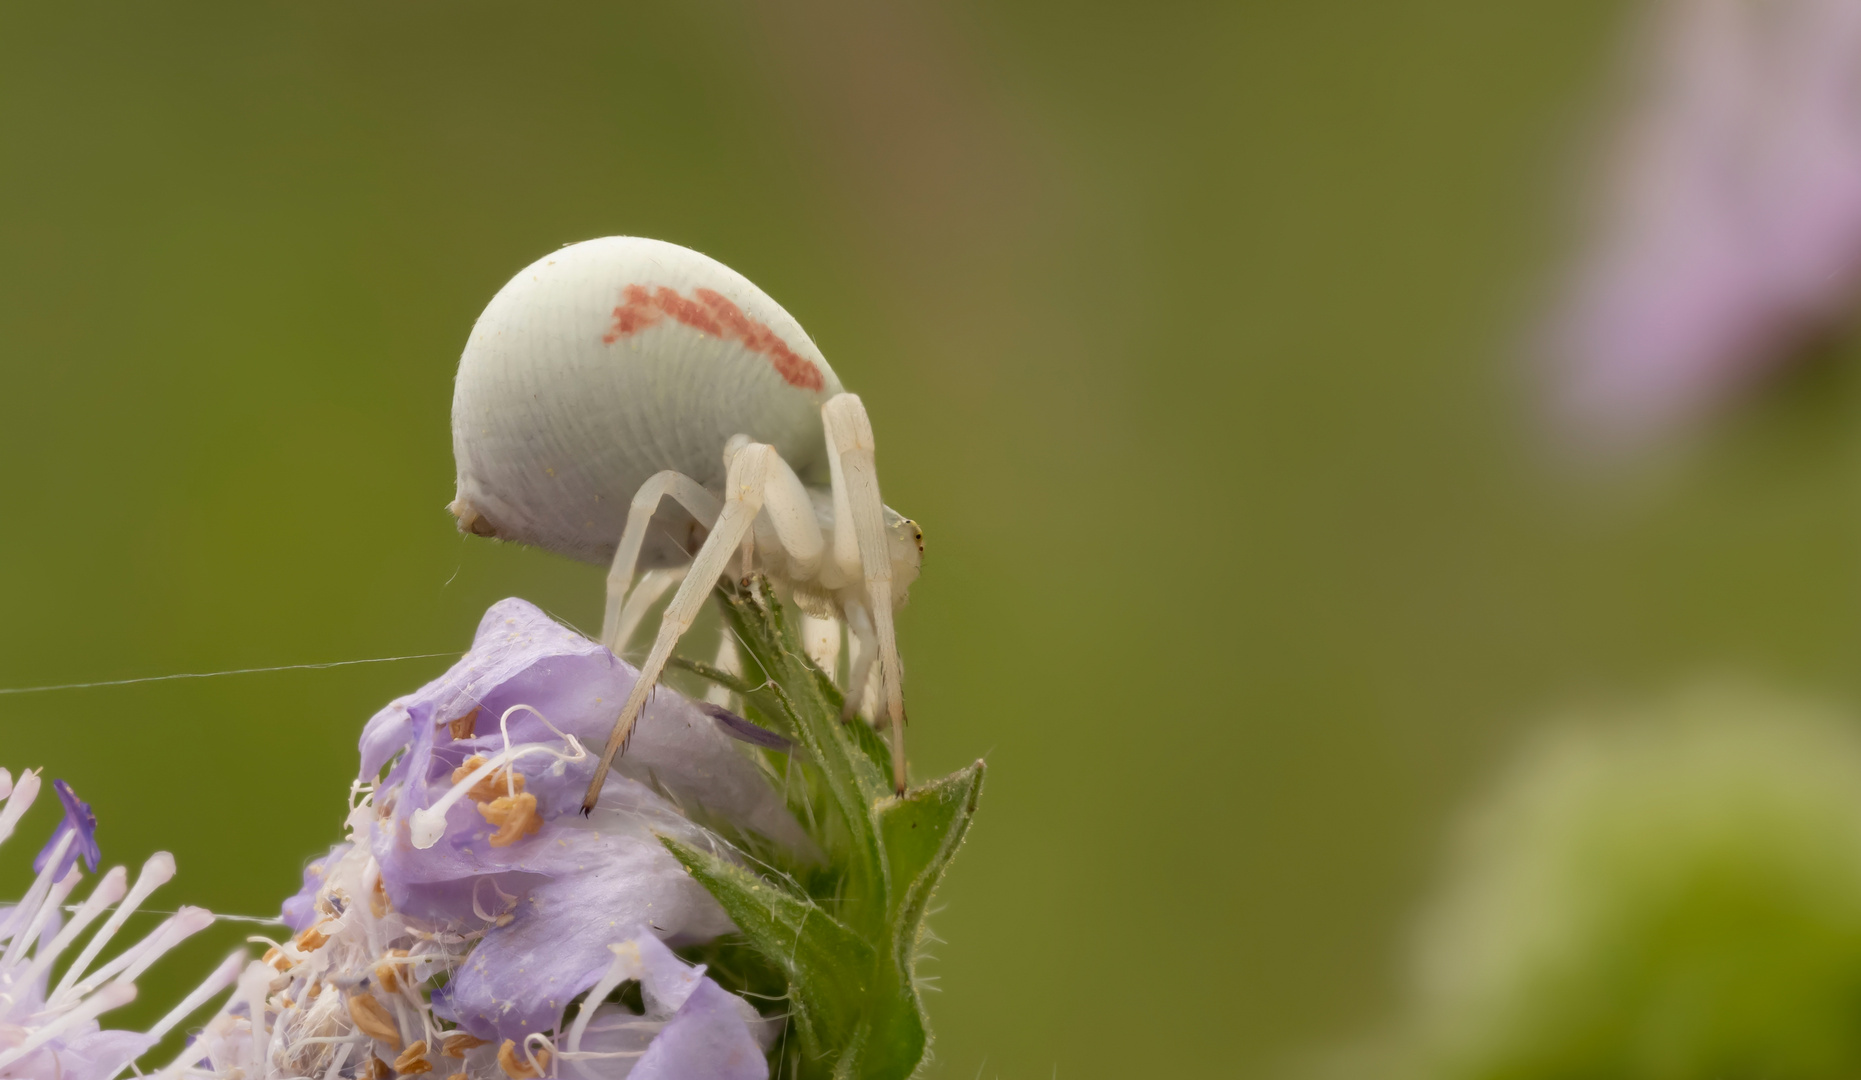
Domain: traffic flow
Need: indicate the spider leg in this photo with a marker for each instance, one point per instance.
(863, 650)
(872, 693)
(820, 639)
(758, 482)
(850, 451)
(727, 662)
(653, 585)
(688, 493)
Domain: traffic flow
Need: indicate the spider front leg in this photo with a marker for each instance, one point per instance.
(688, 493)
(850, 453)
(863, 650)
(758, 482)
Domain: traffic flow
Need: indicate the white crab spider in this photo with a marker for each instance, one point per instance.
(624, 399)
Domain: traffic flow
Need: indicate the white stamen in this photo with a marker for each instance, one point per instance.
(156, 872)
(627, 965)
(189, 1057)
(576, 753)
(478, 909)
(254, 985)
(428, 824)
(222, 977)
(42, 957)
(529, 1054)
(19, 800)
(342, 1056)
(602, 1055)
(136, 959)
(177, 928)
(6, 783)
(29, 917)
(108, 891)
(97, 1004)
(278, 1030)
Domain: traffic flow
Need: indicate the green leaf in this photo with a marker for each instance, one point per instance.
(920, 833)
(845, 935)
(792, 688)
(830, 970)
(725, 679)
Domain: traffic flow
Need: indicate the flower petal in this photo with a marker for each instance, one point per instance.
(78, 818)
(709, 1039)
(522, 657)
(300, 911)
(522, 975)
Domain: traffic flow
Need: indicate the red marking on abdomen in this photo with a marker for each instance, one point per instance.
(711, 313)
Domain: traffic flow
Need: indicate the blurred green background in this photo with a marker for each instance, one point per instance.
(1188, 333)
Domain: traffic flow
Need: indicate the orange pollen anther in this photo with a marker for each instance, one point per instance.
(514, 815)
(499, 782)
(463, 727)
(373, 1018)
(312, 938)
(387, 973)
(458, 1042)
(519, 1068)
(413, 1060)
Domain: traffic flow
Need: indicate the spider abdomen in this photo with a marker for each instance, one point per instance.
(611, 360)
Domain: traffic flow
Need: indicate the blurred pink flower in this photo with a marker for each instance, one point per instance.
(1730, 220)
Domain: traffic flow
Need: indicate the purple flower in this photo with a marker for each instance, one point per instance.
(300, 911)
(50, 1031)
(522, 657)
(352, 986)
(691, 1028)
(472, 902)
(343, 991)
(524, 973)
(1730, 224)
(80, 823)
(504, 733)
